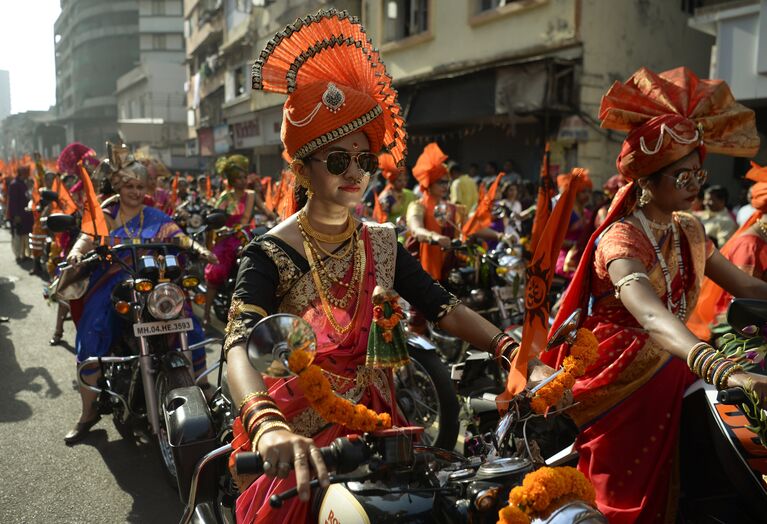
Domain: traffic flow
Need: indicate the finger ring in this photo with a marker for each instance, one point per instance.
(267, 465)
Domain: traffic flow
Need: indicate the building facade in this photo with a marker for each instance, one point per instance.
(5, 94)
(151, 103)
(738, 56)
(96, 42)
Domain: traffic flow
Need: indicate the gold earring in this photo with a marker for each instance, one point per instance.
(301, 178)
(645, 197)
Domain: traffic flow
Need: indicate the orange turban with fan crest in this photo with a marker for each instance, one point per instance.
(389, 168)
(430, 166)
(336, 84)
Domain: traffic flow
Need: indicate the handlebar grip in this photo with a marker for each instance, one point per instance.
(732, 396)
(249, 463)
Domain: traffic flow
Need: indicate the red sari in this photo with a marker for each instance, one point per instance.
(342, 357)
(630, 400)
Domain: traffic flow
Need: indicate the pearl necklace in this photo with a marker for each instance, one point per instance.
(682, 311)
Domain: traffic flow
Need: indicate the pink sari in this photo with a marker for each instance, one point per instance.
(342, 357)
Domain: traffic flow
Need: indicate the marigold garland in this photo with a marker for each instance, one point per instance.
(330, 406)
(583, 353)
(543, 491)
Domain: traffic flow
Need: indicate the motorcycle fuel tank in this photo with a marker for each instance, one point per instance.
(342, 506)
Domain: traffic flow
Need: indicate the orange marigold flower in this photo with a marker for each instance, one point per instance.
(512, 515)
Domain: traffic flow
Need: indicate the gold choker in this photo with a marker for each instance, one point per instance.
(303, 222)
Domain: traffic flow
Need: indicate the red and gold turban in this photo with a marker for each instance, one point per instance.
(430, 166)
(336, 84)
(670, 115)
(388, 166)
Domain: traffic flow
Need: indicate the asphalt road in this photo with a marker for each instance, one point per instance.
(103, 479)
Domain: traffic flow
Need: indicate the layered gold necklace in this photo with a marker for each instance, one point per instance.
(132, 235)
(323, 277)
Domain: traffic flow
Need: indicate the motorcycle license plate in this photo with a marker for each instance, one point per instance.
(148, 329)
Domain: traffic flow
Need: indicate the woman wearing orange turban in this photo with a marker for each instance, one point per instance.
(639, 279)
(395, 198)
(747, 249)
(580, 228)
(323, 264)
(434, 232)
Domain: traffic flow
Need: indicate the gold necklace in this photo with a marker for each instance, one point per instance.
(327, 278)
(345, 235)
(133, 234)
(326, 306)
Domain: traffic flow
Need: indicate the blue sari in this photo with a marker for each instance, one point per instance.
(99, 322)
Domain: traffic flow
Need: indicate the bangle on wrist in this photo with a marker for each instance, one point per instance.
(265, 428)
(263, 395)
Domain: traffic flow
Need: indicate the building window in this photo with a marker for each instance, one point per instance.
(405, 18)
(240, 81)
(158, 42)
(158, 7)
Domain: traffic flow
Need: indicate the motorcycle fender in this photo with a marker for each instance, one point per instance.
(339, 506)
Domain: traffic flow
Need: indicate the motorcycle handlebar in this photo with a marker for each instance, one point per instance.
(732, 396)
(343, 455)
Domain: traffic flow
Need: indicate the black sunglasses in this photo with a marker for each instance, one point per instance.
(338, 162)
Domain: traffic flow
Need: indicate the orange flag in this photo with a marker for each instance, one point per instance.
(208, 189)
(171, 205)
(65, 203)
(546, 191)
(94, 223)
(482, 216)
(286, 203)
(539, 275)
(269, 196)
(378, 212)
(482, 190)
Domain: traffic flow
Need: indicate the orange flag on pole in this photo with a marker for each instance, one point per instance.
(546, 191)
(269, 197)
(208, 189)
(539, 275)
(65, 202)
(94, 223)
(482, 216)
(378, 212)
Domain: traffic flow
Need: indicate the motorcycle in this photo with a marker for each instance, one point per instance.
(151, 359)
(729, 429)
(385, 476)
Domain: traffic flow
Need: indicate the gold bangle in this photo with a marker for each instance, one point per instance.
(703, 362)
(694, 351)
(267, 427)
(712, 364)
(735, 368)
(254, 394)
(261, 415)
(260, 404)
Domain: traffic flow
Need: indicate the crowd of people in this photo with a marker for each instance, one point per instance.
(654, 256)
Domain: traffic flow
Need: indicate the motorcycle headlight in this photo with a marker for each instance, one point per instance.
(166, 301)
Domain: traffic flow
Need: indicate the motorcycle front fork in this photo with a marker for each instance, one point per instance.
(149, 375)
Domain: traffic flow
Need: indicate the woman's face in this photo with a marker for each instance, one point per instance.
(401, 181)
(512, 192)
(132, 192)
(237, 180)
(440, 188)
(665, 194)
(347, 188)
